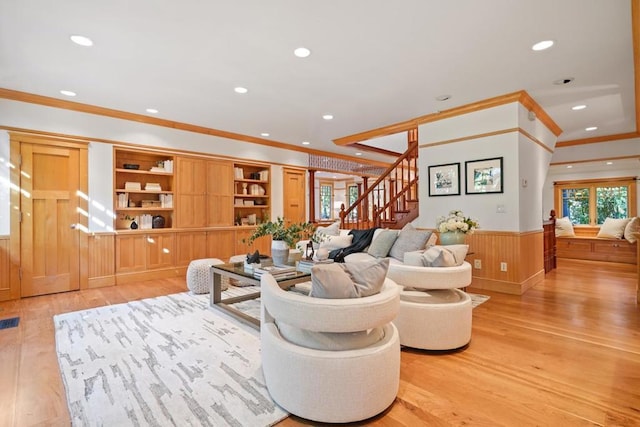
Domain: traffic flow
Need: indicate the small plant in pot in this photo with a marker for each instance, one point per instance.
(283, 237)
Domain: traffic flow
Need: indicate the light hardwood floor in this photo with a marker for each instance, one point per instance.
(566, 353)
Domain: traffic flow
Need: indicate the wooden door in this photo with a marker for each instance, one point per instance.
(50, 227)
(294, 190)
(191, 192)
(219, 193)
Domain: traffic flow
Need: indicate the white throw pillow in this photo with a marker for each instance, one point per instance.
(613, 228)
(329, 230)
(564, 228)
(336, 242)
(633, 226)
(445, 256)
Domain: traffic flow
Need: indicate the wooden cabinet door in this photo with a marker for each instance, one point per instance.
(160, 250)
(130, 253)
(219, 193)
(190, 246)
(262, 244)
(221, 244)
(191, 192)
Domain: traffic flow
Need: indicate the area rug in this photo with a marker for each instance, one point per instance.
(477, 299)
(166, 361)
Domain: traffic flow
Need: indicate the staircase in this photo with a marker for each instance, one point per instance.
(392, 200)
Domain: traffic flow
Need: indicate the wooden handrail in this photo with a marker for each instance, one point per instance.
(393, 185)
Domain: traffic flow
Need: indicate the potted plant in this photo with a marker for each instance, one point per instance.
(283, 237)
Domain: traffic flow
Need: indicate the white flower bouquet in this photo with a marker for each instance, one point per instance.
(456, 221)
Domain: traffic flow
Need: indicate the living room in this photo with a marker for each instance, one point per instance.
(103, 123)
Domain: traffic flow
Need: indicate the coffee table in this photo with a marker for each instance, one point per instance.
(237, 271)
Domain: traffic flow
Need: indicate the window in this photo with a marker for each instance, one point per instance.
(590, 202)
(352, 197)
(326, 200)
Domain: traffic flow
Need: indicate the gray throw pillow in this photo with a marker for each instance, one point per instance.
(409, 239)
(368, 276)
(348, 280)
(382, 244)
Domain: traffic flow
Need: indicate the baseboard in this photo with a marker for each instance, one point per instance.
(505, 287)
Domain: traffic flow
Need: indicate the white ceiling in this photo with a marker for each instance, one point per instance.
(373, 62)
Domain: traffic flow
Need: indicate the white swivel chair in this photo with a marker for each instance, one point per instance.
(434, 314)
(340, 361)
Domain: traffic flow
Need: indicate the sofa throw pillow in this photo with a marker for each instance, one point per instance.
(368, 276)
(564, 228)
(633, 226)
(445, 256)
(348, 280)
(409, 239)
(336, 242)
(613, 228)
(329, 230)
(382, 243)
(331, 281)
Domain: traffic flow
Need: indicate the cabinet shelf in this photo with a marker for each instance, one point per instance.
(122, 190)
(251, 196)
(133, 201)
(141, 172)
(139, 209)
(251, 181)
(251, 207)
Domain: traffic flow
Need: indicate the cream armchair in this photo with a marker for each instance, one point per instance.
(434, 314)
(330, 360)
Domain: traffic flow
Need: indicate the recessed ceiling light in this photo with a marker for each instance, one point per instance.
(609, 163)
(569, 166)
(68, 93)
(152, 111)
(545, 44)
(302, 52)
(264, 134)
(328, 117)
(591, 128)
(358, 154)
(241, 89)
(81, 40)
(564, 81)
(443, 97)
(305, 143)
(578, 107)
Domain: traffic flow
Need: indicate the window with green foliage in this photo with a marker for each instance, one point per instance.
(326, 200)
(590, 202)
(353, 196)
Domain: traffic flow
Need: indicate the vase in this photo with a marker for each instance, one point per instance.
(452, 238)
(279, 252)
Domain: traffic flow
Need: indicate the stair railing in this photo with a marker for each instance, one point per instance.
(394, 192)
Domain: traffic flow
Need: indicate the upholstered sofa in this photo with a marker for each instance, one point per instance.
(385, 243)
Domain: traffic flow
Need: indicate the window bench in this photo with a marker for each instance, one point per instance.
(596, 249)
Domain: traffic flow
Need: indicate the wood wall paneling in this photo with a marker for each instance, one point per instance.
(101, 260)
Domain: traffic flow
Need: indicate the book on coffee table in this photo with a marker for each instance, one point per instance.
(305, 265)
(278, 272)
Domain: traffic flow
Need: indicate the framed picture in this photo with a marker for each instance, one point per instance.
(484, 176)
(444, 180)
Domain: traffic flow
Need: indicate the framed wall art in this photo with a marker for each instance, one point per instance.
(444, 180)
(483, 176)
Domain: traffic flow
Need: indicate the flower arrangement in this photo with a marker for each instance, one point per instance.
(279, 230)
(456, 221)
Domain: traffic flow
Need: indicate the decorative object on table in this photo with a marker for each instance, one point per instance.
(454, 227)
(308, 253)
(253, 258)
(322, 254)
(157, 222)
(444, 180)
(283, 237)
(484, 176)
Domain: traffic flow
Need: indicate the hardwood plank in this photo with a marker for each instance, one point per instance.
(564, 353)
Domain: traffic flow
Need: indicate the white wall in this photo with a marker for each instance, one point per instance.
(5, 180)
(54, 120)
